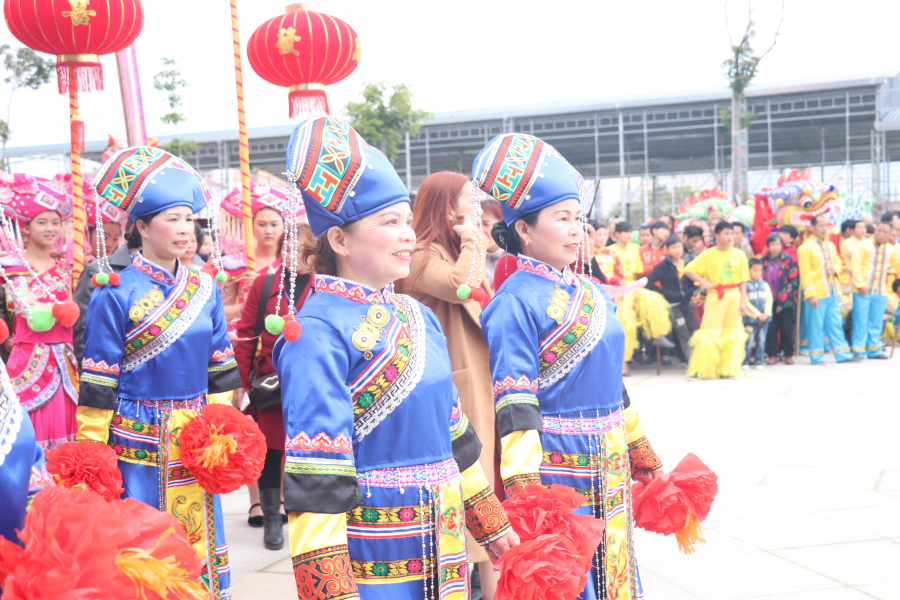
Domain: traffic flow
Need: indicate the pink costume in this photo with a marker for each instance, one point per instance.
(42, 364)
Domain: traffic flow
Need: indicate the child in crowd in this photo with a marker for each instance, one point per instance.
(759, 307)
(789, 235)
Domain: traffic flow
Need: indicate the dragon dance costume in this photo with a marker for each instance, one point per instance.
(719, 343)
(815, 259)
(556, 351)
(642, 308)
(155, 348)
(382, 474)
(41, 363)
(22, 469)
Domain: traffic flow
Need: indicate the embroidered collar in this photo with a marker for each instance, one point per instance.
(156, 272)
(352, 290)
(542, 269)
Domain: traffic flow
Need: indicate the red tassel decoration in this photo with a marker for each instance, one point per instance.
(113, 279)
(291, 331)
(88, 76)
(66, 313)
(307, 102)
(478, 294)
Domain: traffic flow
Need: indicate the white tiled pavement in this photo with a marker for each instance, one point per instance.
(808, 460)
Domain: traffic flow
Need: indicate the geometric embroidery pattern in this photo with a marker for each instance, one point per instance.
(513, 168)
(485, 517)
(642, 455)
(325, 574)
(332, 162)
(320, 443)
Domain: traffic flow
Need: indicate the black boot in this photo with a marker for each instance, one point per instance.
(273, 535)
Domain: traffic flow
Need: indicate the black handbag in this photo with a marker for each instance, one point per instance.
(265, 391)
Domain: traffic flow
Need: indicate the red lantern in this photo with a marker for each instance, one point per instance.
(78, 32)
(304, 50)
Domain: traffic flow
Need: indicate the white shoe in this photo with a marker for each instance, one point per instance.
(745, 367)
(759, 367)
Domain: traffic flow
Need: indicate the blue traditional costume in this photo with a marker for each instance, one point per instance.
(382, 474)
(556, 352)
(155, 349)
(22, 469)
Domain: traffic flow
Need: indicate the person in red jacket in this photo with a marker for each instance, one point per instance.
(253, 353)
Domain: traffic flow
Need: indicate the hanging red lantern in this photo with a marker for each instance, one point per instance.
(77, 32)
(304, 51)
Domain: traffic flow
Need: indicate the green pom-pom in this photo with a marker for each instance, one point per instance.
(102, 279)
(274, 324)
(463, 292)
(41, 319)
(221, 277)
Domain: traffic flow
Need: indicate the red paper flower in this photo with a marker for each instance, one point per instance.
(86, 466)
(676, 502)
(223, 449)
(80, 547)
(545, 568)
(538, 511)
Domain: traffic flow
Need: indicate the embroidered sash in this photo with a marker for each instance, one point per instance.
(568, 343)
(160, 328)
(394, 373)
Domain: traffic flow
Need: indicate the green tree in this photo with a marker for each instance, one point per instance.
(740, 70)
(25, 69)
(169, 82)
(384, 115)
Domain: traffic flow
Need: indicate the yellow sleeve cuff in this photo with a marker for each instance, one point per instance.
(93, 423)
(520, 462)
(220, 398)
(473, 480)
(313, 531)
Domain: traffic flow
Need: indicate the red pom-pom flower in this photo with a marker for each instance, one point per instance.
(114, 279)
(66, 313)
(548, 567)
(76, 545)
(291, 330)
(537, 511)
(4, 331)
(676, 502)
(86, 466)
(222, 448)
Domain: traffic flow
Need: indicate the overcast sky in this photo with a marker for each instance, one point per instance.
(476, 54)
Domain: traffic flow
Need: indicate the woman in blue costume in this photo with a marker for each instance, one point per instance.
(382, 474)
(156, 349)
(556, 352)
(22, 470)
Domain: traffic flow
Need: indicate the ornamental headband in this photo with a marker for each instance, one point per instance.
(143, 180)
(340, 177)
(525, 174)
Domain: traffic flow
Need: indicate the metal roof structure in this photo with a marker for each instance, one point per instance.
(807, 124)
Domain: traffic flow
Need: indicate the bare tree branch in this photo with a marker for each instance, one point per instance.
(777, 29)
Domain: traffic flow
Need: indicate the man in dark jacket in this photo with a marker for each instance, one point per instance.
(668, 279)
(118, 260)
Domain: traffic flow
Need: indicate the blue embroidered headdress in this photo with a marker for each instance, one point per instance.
(143, 180)
(525, 174)
(341, 178)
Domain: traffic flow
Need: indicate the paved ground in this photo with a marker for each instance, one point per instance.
(808, 460)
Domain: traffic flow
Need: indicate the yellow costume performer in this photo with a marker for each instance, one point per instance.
(642, 308)
(719, 343)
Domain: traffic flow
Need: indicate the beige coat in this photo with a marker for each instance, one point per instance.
(435, 287)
